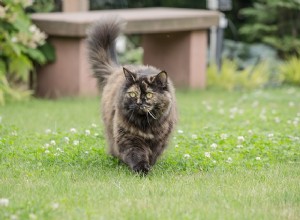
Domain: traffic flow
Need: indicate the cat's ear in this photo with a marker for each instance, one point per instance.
(130, 76)
(161, 79)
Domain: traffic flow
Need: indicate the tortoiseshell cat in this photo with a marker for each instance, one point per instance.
(138, 102)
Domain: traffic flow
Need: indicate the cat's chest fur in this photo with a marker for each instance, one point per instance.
(150, 131)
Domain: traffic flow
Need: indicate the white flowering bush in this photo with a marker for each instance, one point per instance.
(20, 48)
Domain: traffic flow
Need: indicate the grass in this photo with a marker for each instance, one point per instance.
(232, 156)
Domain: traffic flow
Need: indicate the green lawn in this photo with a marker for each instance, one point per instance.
(232, 156)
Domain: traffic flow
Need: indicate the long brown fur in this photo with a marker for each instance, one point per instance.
(138, 102)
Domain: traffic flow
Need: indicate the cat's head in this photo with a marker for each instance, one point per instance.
(145, 94)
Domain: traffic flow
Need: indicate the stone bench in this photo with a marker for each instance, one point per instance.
(173, 39)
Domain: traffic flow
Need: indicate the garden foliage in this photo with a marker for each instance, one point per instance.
(274, 22)
(290, 70)
(229, 77)
(22, 45)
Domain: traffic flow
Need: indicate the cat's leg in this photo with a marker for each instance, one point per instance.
(137, 158)
(156, 152)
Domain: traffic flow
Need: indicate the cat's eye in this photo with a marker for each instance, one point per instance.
(149, 95)
(132, 94)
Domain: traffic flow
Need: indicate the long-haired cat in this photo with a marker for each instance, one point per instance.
(138, 102)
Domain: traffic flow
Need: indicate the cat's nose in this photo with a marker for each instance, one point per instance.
(141, 106)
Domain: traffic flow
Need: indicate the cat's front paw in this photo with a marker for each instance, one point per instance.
(142, 167)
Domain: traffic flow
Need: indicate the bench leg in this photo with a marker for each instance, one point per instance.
(69, 75)
(181, 54)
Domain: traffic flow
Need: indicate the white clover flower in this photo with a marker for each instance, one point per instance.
(239, 146)
(180, 131)
(55, 205)
(291, 91)
(241, 139)
(14, 133)
(247, 122)
(66, 139)
(87, 132)
(14, 217)
(255, 104)
(86, 152)
(250, 132)
(233, 110)
(214, 161)
(76, 142)
(56, 154)
(263, 117)
(270, 135)
(224, 136)
(213, 145)
(46, 145)
(52, 142)
(229, 160)
(176, 145)
(194, 136)
(48, 131)
(32, 216)
(47, 151)
(94, 125)
(277, 120)
(73, 130)
(291, 104)
(257, 158)
(187, 156)
(207, 154)
(208, 108)
(59, 149)
(4, 202)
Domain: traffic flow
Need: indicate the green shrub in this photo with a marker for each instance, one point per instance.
(20, 49)
(248, 54)
(230, 78)
(290, 71)
(274, 22)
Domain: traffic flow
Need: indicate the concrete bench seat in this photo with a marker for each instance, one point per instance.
(173, 39)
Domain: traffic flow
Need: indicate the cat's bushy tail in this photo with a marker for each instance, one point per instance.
(101, 47)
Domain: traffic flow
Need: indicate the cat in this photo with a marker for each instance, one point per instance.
(138, 102)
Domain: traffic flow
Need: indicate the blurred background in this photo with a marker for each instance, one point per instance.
(259, 46)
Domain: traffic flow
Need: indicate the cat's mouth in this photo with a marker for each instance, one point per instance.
(142, 109)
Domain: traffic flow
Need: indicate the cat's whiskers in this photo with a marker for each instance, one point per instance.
(132, 111)
(148, 119)
(152, 115)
